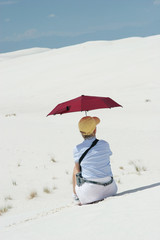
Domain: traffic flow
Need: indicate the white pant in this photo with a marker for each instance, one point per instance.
(89, 192)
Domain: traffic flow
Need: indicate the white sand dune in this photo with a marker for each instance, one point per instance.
(36, 151)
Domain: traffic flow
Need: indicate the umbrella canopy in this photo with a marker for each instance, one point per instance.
(84, 103)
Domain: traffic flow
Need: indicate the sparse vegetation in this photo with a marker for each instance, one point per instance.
(147, 100)
(4, 209)
(33, 194)
(144, 169)
(11, 115)
(54, 187)
(14, 183)
(7, 198)
(122, 168)
(53, 160)
(119, 181)
(138, 167)
(46, 190)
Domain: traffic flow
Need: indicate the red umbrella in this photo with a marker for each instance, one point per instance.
(84, 103)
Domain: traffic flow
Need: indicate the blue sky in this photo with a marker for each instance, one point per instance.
(58, 23)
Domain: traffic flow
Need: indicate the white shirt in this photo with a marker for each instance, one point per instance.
(96, 163)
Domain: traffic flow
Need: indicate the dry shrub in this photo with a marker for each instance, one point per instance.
(46, 190)
(4, 209)
(33, 194)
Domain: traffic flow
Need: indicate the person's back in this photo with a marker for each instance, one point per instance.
(95, 167)
(96, 164)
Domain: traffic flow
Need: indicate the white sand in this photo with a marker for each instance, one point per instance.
(36, 151)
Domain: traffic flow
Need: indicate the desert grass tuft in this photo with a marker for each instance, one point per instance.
(7, 198)
(14, 183)
(53, 160)
(54, 188)
(121, 167)
(46, 190)
(33, 194)
(137, 167)
(10, 115)
(4, 209)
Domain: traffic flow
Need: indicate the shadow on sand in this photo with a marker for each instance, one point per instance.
(138, 189)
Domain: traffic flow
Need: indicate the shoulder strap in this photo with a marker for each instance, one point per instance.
(84, 154)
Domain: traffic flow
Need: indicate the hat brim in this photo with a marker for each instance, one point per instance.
(97, 120)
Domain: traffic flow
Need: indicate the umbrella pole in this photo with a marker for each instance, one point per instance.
(86, 113)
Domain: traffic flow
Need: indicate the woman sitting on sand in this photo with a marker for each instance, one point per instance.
(94, 175)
